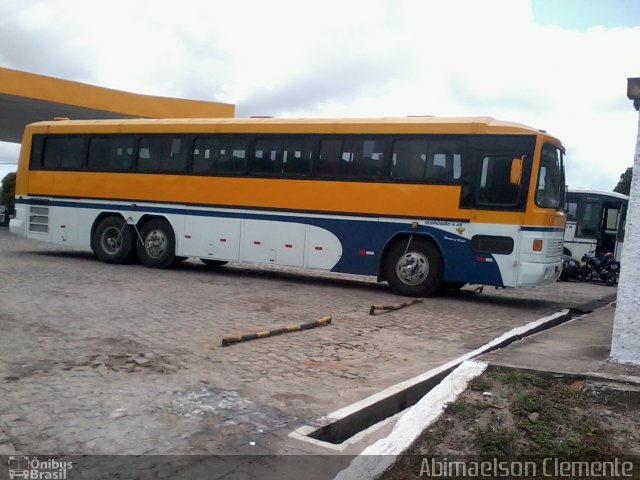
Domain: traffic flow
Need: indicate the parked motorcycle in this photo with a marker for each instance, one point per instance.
(599, 268)
(570, 268)
(592, 268)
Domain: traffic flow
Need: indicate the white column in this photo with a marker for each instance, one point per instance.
(625, 344)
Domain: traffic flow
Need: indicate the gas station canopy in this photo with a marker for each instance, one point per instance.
(27, 97)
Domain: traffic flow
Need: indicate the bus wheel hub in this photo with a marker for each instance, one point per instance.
(156, 244)
(412, 268)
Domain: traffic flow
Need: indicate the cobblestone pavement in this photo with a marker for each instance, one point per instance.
(111, 359)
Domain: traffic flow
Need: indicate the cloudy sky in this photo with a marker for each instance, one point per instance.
(560, 65)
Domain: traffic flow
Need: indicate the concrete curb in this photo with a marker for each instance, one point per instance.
(381, 455)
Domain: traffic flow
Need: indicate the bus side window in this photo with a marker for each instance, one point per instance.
(408, 160)
(589, 218)
(296, 157)
(330, 157)
(572, 209)
(265, 158)
(444, 162)
(205, 151)
(494, 187)
(162, 154)
(64, 153)
(351, 158)
(111, 153)
(232, 156)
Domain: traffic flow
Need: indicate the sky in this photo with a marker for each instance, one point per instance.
(557, 65)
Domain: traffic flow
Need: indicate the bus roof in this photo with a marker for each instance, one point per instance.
(601, 193)
(391, 125)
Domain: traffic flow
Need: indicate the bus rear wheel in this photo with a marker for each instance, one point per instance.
(114, 240)
(157, 249)
(414, 270)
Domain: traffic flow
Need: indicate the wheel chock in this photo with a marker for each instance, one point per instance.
(278, 331)
(388, 308)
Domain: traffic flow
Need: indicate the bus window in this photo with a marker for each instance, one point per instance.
(65, 153)
(494, 187)
(266, 158)
(296, 156)
(162, 154)
(550, 187)
(205, 154)
(282, 157)
(438, 161)
(611, 216)
(351, 158)
(588, 222)
(408, 160)
(445, 161)
(111, 154)
(621, 224)
(571, 209)
(233, 157)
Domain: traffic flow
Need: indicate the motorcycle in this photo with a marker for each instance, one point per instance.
(599, 268)
(592, 268)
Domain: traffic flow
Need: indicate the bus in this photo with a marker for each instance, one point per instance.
(595, 222)
(420, 203)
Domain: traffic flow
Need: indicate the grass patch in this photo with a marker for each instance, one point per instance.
(495, 442)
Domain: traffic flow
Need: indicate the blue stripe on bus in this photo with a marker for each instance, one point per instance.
(365, 235)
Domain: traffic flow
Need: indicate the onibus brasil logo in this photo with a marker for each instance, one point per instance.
(34, 469)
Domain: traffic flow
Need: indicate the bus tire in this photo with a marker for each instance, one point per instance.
(158, 246)
(114, 241)
(213, 263)
(415, 271)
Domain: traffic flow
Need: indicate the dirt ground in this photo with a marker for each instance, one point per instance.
(513, 414)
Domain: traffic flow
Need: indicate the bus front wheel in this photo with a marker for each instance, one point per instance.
(158, 245)
(414, 270)
(114, 241)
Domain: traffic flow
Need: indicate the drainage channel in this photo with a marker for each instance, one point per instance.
(338, 429)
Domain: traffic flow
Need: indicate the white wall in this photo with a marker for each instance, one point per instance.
(625, 345)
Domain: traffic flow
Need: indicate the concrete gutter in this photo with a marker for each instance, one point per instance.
(377, 458)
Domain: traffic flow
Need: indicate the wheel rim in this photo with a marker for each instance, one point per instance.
(111, 240)
(412, 268)
(155, 243)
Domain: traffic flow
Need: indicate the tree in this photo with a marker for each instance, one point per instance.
(8, 190)
(624, 185)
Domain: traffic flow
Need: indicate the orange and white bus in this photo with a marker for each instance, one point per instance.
(418, 202)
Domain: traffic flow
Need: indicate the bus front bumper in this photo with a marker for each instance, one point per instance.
(17, 226)
(536, 273)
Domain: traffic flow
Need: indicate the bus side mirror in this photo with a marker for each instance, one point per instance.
(515, 175)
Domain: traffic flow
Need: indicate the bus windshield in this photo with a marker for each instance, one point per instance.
(550, 189)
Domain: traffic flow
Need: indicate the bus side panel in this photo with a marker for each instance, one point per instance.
(71, 226)
(273, 242)
(323, 248)
(212, 237)
(465, 264)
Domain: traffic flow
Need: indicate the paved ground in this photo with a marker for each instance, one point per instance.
(105, 359)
